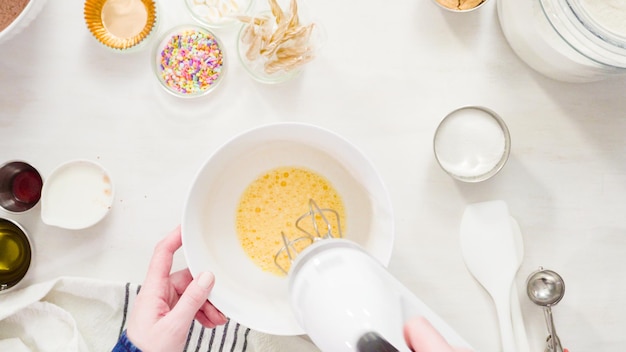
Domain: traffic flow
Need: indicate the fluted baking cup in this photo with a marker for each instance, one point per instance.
(95, 23)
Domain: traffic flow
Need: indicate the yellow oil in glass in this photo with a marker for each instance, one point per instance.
(15, 254)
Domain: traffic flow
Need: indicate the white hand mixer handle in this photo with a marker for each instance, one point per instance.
(339, 293)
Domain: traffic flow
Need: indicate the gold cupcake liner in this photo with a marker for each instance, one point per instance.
(93, 19)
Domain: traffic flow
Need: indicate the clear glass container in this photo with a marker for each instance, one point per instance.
(472, 144)
(257, 65)
(20, 186)
(218, 14)
(16, 256)
(567, 40)
(189, 61)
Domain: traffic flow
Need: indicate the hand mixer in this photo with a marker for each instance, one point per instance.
(345, 299)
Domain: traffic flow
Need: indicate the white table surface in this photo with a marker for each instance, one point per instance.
(388, 74)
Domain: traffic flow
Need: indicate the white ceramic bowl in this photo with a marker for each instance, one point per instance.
(29, 13)
(243, 292)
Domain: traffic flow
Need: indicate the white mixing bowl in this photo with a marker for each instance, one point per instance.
(243, 292)
(22, 21)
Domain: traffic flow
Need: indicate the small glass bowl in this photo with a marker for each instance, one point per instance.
(465, 6)
(205, 66)
(256, 68)
(218, 14)
(20, 186)
(96, 24)
(17, 255)
(472, 144)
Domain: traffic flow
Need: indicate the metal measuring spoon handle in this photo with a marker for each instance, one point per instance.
(557, 342)
(554, 344)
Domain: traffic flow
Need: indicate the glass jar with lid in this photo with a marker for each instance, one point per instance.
(567, 40)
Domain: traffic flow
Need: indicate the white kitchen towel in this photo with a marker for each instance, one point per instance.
(77, 314)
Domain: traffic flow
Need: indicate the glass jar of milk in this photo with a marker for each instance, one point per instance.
(567, 40)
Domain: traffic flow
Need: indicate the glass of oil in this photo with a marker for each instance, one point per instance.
(15, 254)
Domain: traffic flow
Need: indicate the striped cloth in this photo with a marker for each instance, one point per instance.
(79, 315)
(230, 337)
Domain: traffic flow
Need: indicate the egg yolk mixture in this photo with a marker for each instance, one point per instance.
(273, 202)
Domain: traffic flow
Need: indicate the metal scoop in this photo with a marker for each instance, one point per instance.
(546, 288)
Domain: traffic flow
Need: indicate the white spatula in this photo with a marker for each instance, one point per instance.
(488, 247)
(516, 310)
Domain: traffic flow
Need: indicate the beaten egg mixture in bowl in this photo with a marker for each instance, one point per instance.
(254, 188)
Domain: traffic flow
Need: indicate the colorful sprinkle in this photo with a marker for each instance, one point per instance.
(191, 62)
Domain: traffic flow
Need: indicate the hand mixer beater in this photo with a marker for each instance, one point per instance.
(315, 233)
(342, 297)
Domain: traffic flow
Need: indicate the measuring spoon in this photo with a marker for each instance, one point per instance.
(546, 288)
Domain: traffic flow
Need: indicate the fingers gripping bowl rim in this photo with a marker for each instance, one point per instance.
(242, 291)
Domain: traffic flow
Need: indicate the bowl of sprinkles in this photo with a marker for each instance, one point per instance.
(218, 13)
(121, 24)
(189, 61)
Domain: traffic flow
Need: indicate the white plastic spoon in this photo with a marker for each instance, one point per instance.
(488, 247)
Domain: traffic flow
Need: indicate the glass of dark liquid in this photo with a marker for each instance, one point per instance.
(20, 186)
